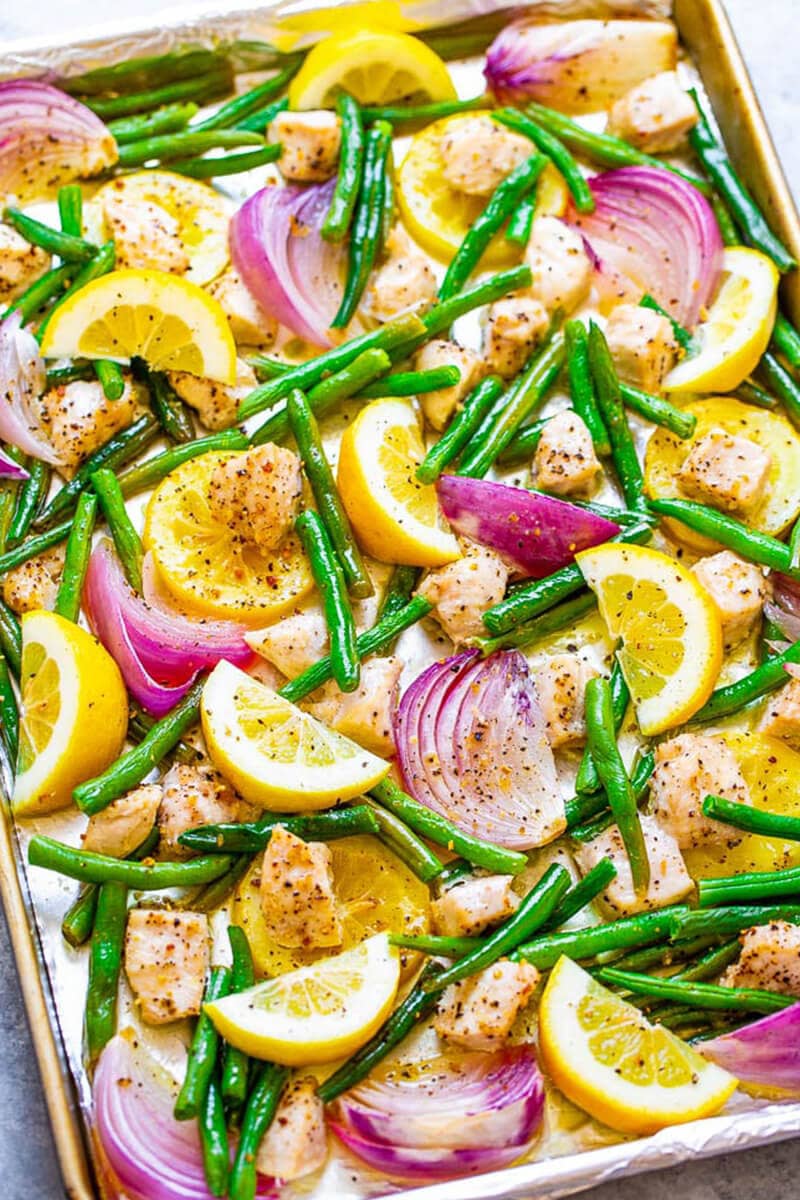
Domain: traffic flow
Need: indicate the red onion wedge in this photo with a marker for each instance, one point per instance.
(763, 1054)
(277, 248)
(22, 382)
(658, 234)
(9, 469)
(471, 745)
(533, 533)
(445, 1117)
(784, 608)
(47, 139)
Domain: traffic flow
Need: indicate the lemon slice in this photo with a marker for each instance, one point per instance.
(608, 1059)
(205, 566)
(73, 712)
(172, 324)
(275, 754)
(375, 66)
(728, 345)
(396, 518)
(668, 626)
(316, 1013)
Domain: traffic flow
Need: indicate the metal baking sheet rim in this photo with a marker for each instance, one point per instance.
(706, 31)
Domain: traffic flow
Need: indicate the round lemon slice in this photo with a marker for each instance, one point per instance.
(73, 712)
(668, 628)
(728, 345)
(375, 66)
(275, 754)
(608, 1059)
(317, 1013)
(166, 320)
(395, 517)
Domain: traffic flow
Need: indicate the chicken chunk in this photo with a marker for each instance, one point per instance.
(782, 716)
(145, 235)
(34, 584)
(478, 1012)
(565, 461)
(462, 590)
(257, 494)
(560, 685)
(473, 905)
(726, 471)
(440, 405)
(216, 404)
(364, 715)
(654, 116)
(166, 961)
(689, 768)
(78, 418)
(514, 328)
(310, 142)
(250, 324)
(297, 897)
(477, 155)
(295, 1143)
(642, 345)
(20, 263)
(404, 283)
(669, 879)
(192, 796)
(770, 959)
(561, 268)
(122, 827)
(738, 589)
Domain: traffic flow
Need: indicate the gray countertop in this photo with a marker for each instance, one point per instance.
(28, 1169)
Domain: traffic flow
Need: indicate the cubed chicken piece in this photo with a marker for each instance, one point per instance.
(295, 1143)
(726, 471)
(122, 827)
(403, 283)
(20, 263)
(257, 494)
(145, 235)
(192, 796)
(293, 644)
(478, 154)
(669, 879)
(462, 590)
(561, 686)
(439, 406)
(364, 715)
(770, 959)
(215, 403)
(166, 961)
(310, 142)
(34, 584)
(297, 896)
(473, 905)
(250, 325)
(515, 327)
(478, 1012)
(565, 462)
(642, 345)
(77, 419)
(738, 589)
(654, 116)
(561, 268)
(689, 768)
(782, 716)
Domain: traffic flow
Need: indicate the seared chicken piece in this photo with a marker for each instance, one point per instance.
(297, 897)
(257, 494)
(738, 589)
(478, 1012)
(565, 462)
(471, 906)
(145, 235)
(654, 116)
(689, 768)
(669, 879)
(21, 264)
(121, 827)
(478, 154)
(514, 328)
(250, 325)
(462, 590)
(726, 471)
(782, 716)
(295, 1143)
(440, 406)
(404, 283)
(192, 796)
(166, 961)
(77, 419)
(215, 403)
(364, 715)
(642, 345)
(770, 959)
(561, 685)
(310, 142)
(562, 270)
(34, 584)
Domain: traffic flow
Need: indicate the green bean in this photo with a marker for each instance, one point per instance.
(168, 119)
(786, 340)
(250, 102)
(658, 410)
(235, 1062)
(395, 834)
(32, 546)
(267, 367)
(185, 143)
(727, 228)
(203, 1050)
(351, 169)
(437, 944)
(79, 547)
(259, 122)
(201, 89)
(70, 209)
(10, 638)
(54, 241)
(783, 385)
(532, 599)
(423, 112)
(581, 386)
(702, 995)
(682, 336)
(749, 543)
(110, 377)
(78, 922)
(709, 148)
(461, 429)
(627, 933)
(366, 230)
(401, 587)
(134, 74)
(561, 617)
(214, 1139)
(412, 383)
(585, 805)
(153, 470)
(555, 151)
(445, 312)
(126, 539)
(750, 393)
(29, 500)
(139, 725)
(329, 505)
(582, 893)
(441, 832)
(732, 918)
(388, 201)
(9, 713)
(753, 820)
(226, 164)
(53, 283)
(89, 867)
(456, 871)
(330, 581)
(520, 223)
(763, 679)
(8, 502)
(499, 207)
(594, 828)
(609, 400)
(711, 964)
(522, 446)
(262, 1104)
(130, 768)
(664, 955)
(58, 376)
(171, 413)
(105, 964)
(99, 265)
(215, 894)
(751, 886)
(794, 549)
(587, 779)
(246, 837)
